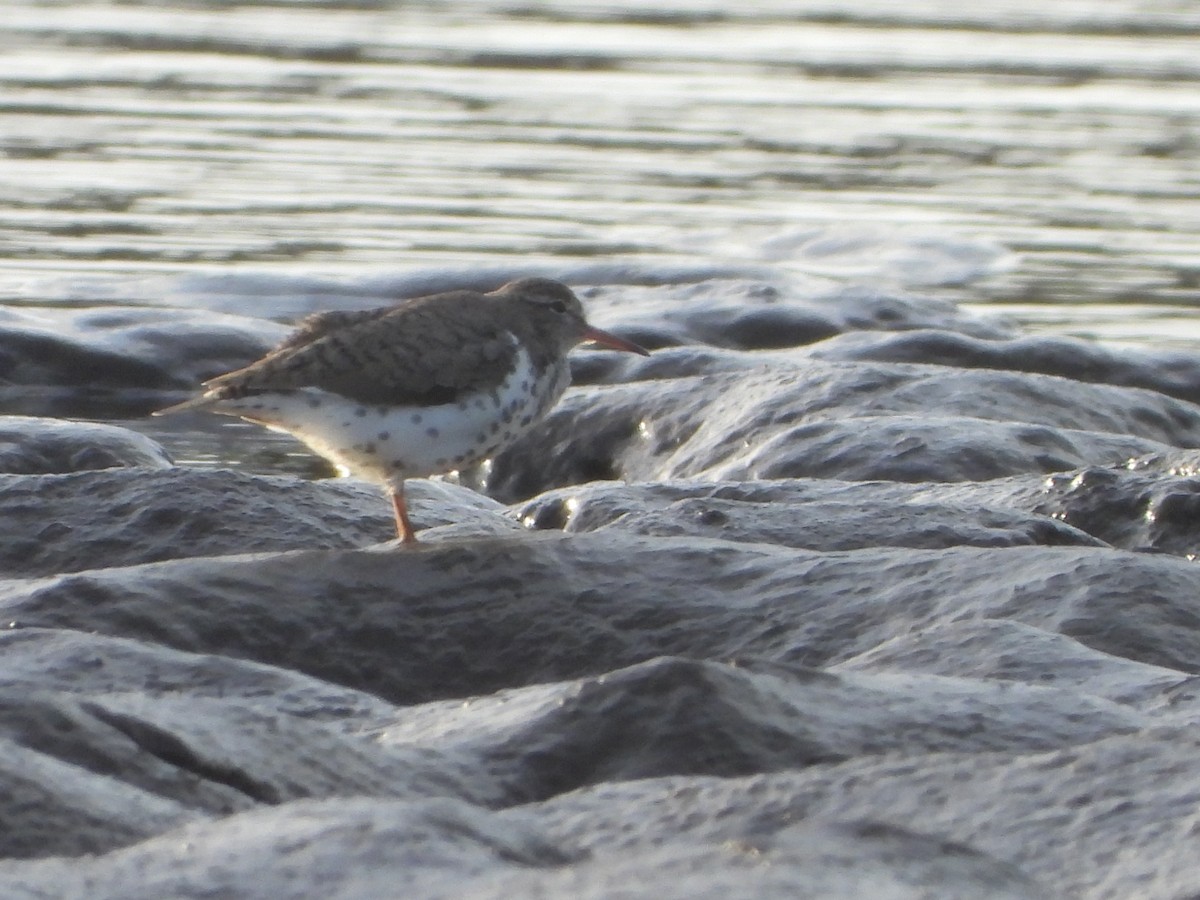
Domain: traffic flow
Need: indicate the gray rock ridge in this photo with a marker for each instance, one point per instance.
(840, 420)
(1144, 504)
(742, 314)
(440, 848)
(75, 521)
(1173, 373)
(69, 522)
(31, 445)
(378, 750)
(224, 744)
(1108, 796)
(348, 613)
(133, 347)
(797, 609)
(425, 699)
(164, 348)
(130, 739)
(676, 633)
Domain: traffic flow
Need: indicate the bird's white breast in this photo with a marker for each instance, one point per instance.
(390, 443)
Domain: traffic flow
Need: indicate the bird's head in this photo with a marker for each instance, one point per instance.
(554, 312)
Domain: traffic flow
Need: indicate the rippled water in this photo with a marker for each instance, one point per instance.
(1035, 157)
(337, 138)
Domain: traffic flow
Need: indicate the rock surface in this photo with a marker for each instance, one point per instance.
(795, 607)
(127, 347)
(36, 446)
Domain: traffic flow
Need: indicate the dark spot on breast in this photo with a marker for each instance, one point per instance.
(384, 435)
(525, 420)
(397, 464)
(495, 427)
(525, 386)
(369, 449)
(314, 403)
(360, 411)
(480, 438)
(416, 418)
(440, 463)
(433, 433)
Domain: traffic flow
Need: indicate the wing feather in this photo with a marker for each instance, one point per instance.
(411, 354)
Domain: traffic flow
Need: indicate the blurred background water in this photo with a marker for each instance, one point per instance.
(335, 137)
(1030, 157)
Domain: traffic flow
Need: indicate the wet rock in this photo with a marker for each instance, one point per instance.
(680, 716)
(1174, 373)
(466, 617)
(127, 347)
(1140, 505)
(149, 348)
(1144, 504)
(1004, 651)
(759, 315)
(202, 736)
(929, 448)
(863, 626)
(1110, 798)
(370, 848)
(839, 420)
(86, 520)
(205, 699)
(133, 739)
(829, 515)
(360, 847)
(31, 445)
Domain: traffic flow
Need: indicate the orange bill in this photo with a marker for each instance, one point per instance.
(612, 342)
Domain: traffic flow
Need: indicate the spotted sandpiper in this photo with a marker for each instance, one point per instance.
(429, 386)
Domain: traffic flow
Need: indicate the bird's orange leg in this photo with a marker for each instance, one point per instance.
(404, 529)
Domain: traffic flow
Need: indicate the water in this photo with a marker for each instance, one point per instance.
(1033, 158)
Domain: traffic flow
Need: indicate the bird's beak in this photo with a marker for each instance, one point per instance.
(611, 341)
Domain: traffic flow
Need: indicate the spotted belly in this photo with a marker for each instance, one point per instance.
(391, 443)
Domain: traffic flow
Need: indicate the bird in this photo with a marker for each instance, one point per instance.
(427, 386)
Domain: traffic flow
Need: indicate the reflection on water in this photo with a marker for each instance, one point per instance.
(335, 138)
(228, 443)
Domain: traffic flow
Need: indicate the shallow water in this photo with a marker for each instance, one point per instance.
(1036, 158)
(333, 138)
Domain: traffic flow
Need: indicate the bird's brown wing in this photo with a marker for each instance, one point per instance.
(421, 353)
(318, 325)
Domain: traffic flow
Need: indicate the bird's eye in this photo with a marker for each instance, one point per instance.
(559, 306)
